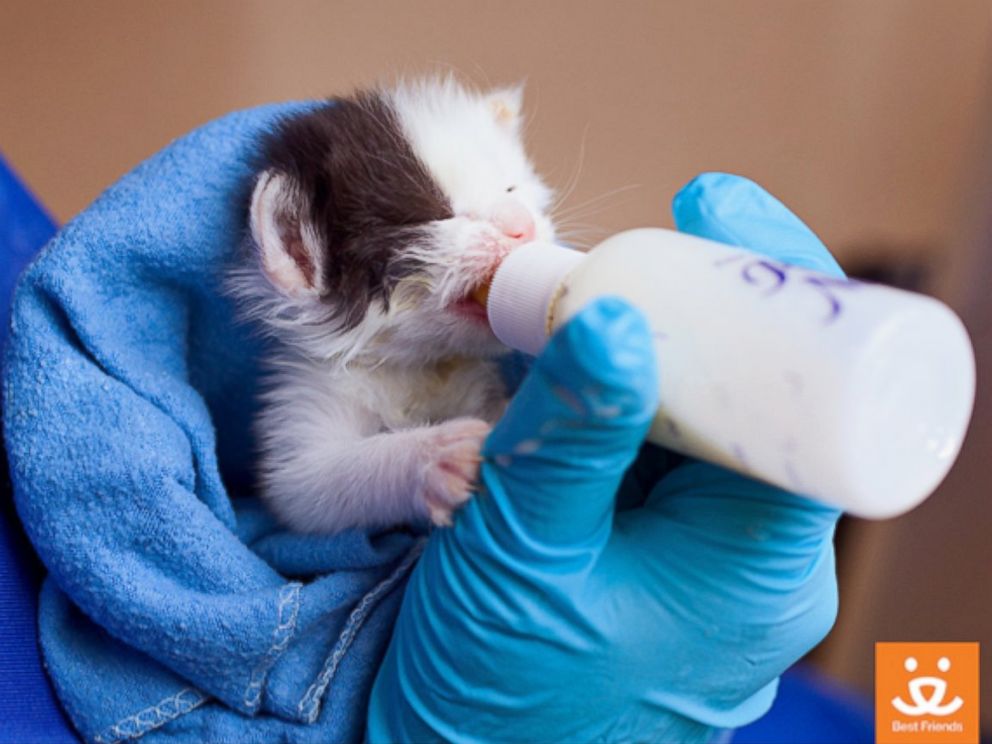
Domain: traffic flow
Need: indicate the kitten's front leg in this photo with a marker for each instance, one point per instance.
(317, 483)
(452, 453)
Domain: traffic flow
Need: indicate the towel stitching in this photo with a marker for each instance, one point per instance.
(289, 597)
(153, 717)
(309, 705)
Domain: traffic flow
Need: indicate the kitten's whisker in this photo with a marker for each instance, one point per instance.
(571, 224)
(596, 200)
(582, 236)
(573, 181)
(576, 228)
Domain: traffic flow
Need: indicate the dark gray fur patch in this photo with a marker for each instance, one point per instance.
(364, 191)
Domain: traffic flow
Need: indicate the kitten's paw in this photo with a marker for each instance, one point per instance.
(453, 457)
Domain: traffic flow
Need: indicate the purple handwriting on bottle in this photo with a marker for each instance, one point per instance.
(826, 285)
(771, 276)
(765, 274)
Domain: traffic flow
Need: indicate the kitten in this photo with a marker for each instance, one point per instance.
(373, 220)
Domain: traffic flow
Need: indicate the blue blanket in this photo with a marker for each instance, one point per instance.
(175, 608)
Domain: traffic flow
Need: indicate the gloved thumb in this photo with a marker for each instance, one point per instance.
(553, 464)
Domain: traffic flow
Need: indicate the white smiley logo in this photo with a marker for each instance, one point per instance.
(934, 705)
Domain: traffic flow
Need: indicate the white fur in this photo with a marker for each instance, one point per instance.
(383, 423)
(355, 449)
(471, 144)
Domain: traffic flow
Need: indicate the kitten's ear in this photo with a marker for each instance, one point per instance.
(507, 105)
(288, 247)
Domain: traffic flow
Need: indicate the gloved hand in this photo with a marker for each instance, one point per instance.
(545, 614)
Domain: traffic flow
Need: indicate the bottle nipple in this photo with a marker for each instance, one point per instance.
(481, 293)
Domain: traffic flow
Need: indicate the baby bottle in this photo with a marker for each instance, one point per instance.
(854, 394)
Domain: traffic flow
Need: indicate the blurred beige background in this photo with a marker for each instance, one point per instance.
(870, 119)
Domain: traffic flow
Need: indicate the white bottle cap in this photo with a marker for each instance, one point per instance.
(522, 291)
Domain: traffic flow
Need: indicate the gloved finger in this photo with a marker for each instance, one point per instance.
(553, 463)
(733, 210)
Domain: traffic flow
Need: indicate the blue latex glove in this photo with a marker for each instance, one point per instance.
(545, 614)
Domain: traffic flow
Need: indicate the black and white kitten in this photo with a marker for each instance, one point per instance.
(373, 220)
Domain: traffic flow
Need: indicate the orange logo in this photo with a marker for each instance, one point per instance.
(926, 693)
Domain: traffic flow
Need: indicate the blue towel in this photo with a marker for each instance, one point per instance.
(175, 608)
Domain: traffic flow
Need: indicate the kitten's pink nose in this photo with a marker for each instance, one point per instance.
(514, 220)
